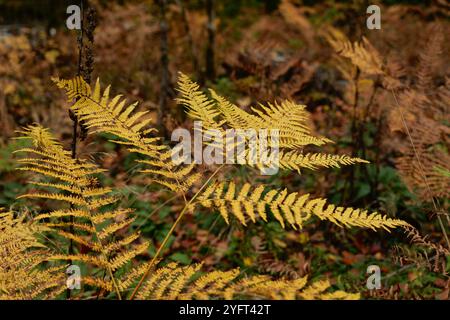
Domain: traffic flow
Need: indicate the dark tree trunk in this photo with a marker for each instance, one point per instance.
(84, 69)
(210, 70)
(164, 88)
(190, 42)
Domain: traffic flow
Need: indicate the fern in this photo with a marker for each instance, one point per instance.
(295, 161)
(287, 208)
(430, 56)
(73, 183)
(419, 112)
(362, 54)
(289, 118)
(22, 275)
(175, 282)
(102, 114)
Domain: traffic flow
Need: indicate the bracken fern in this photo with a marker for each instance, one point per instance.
(87, 213)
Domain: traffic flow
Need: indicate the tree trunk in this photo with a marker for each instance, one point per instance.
(210, 71)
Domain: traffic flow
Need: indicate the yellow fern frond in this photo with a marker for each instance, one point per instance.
(175, 282)
(21, 255)
(72, 182)
(289, 118)
(292, 209)
(100, 113)
(295, 161)
(361, 54)
(199, 106)
(317, 291)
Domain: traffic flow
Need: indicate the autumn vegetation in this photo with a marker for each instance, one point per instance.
(87, 178)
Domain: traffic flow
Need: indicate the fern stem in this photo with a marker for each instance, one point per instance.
(166, 239)
(116, 287)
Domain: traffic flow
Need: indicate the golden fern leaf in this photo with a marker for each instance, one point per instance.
(199, 106)
(175, 282)
(294, 161)
(72, 182)
(100, 113)
(293, 209)
(362, 54)
(289, 118)
(317, 291)
(21, 256)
